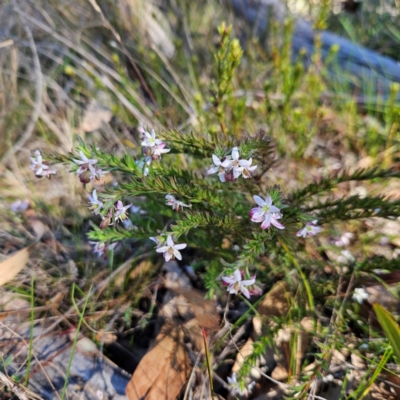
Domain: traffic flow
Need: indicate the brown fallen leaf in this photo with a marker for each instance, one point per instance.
(277, 301)
(13, 265)
(204, 310)
(163, 371)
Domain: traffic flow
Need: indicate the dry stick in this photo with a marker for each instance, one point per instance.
(13, 387)
(38, 96)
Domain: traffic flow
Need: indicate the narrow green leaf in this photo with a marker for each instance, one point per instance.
(390, 327)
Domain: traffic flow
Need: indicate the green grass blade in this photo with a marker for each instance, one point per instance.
(390, 327)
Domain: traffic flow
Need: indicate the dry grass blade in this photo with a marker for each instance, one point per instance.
(163, 371)
(13, 265)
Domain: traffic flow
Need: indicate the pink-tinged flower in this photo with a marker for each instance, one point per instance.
(86, 170)
(266, 213)
(40, 167)
(95, 204)
(120, 211)
(150, 139)
(171, 249)
(47, 173)
(221, 166)
(158, 150)
(310, 229)
(236, 283)
(344, 240)
(174, 203)
(234, 385)
(100, 248)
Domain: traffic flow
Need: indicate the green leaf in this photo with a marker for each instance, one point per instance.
(390, 327)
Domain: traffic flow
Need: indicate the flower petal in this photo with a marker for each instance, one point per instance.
(177, 254)
(235, 153)
(277, 224)
(245, 291)
(162, 249)
(237, 275)
(259, 201)
(228, 280)
(170, 242)
(212, 170)
(216, 160)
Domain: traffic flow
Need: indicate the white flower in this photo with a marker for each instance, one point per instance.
(233, 383)
(346, 257)
(245, 168)
(150, 139)
(96, 204)
(143, 165)
(37, 163)
(344, 240)
(96, 173)
(236, 284)
(310, 229)
(171, 249)
(120, 211)
(84, 162)
(239, 166)
(266, 213)
(360, 294)
(175, 204)
(40, 167)
(235, 163)
(221, 166)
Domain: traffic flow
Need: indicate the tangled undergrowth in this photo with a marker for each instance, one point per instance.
(279, 203)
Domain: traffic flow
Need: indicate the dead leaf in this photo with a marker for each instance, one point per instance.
(276, 302)
(204, 310)
(13, 265)
(163, 371)
(245, 352)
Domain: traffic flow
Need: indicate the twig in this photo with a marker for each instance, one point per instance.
(13, 387)
(38, 96)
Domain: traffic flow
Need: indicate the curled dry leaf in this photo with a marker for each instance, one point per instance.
(163, 371)
(13, 265)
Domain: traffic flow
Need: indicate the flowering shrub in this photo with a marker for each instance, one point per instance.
(237, 226)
